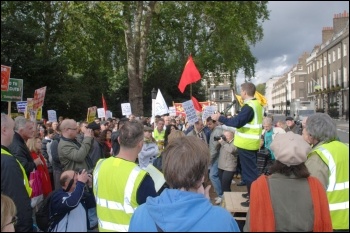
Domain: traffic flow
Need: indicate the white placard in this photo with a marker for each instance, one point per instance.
(207, 112)
(190, 112)
(126, 109)
(100, 112)
(51, 114)
(160, 107)
(109, 114)
(21, 106)
(172, 111)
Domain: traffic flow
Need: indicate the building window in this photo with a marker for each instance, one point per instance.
(324, 60)
(334, 78)
(339, 53)
(329, 59)
(317, 65)
(345, 77)
(344, 50)
(333, 55)
(339, 77)
(325, 81)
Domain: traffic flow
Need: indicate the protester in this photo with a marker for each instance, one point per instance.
(227, 163)
(8, 214)
(159, 134)
(329, 162)
(46, 152)
(57, 167)
(82, 125)
(214, 158)
(248, 124)
(198, 131)
(105, 139)
(149, 150)
(268, 135)
(291, 126)
(96, 151)
(14, 181)
(115, 136)
(72, 154)
(34, 145)
(70, 200)
(290, 199)
(24, 129)
(120, 183)
(185, 206)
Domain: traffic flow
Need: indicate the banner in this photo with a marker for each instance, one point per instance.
(5, 77)
(14, 92)
(39, 96)
(91, 114)
(160, 107)
(180, 110)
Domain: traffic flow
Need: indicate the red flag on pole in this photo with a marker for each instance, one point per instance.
(189, 75)
(196, 104)
(104, 104)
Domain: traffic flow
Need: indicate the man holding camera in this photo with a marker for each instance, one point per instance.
(248, 124)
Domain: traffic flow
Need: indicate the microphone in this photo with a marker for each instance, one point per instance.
(228, 107)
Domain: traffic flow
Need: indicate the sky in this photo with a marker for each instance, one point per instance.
(293, 28)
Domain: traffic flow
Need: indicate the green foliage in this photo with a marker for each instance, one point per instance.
(78, 49)
(261, 88)
(333, 112)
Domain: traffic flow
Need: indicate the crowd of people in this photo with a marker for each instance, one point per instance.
(97, 172)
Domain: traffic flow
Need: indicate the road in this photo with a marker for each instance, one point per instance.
(342, 127)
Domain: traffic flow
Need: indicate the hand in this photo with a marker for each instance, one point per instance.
(38, 161)
(83, 176)
(215, 116)
(88, 133)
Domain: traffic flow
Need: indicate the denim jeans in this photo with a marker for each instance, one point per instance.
(214, 177)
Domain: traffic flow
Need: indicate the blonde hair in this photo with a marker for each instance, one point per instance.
(8, 207)
(31, 144)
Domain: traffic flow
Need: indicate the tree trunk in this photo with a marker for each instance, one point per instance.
(137, 23)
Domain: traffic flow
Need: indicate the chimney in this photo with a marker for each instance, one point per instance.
(327, 33)
(339, 21)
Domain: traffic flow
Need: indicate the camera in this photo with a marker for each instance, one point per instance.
(217, 138)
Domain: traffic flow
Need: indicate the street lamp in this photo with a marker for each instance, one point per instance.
(154, 96)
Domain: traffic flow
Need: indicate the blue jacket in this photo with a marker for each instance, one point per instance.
(244, 116)
(180, 211)
(64, 202)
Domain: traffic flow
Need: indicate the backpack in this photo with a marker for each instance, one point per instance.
(44, 220)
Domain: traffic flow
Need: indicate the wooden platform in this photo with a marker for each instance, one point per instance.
(232, 202)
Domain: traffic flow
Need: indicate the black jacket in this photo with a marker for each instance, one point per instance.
(20, 150)
(12, 186)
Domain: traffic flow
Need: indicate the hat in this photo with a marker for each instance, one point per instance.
(290, 148)
(289, 118)
(93, 125)
(147, 128)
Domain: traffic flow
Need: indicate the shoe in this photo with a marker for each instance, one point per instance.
(245, 203)
(242, 183)
(218, 200)
(233, 182)
(245, 195)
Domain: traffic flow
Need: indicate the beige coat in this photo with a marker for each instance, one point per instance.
(228, 157)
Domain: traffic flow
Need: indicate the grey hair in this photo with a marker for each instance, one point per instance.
(3, 119)
(267, 120)
(321, 127)
(20, 122)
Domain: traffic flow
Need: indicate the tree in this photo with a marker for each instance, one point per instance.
(261, 87)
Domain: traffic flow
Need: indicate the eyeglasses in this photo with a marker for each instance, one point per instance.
(13, 221)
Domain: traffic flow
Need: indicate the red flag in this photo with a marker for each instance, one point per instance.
(189, 75)
(196, 104)
(104, 104)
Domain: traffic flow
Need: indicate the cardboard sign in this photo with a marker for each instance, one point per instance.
(14, 92)
(51, 114)
(39, 96)
(126, 109)
(5, 77)
(190, 112)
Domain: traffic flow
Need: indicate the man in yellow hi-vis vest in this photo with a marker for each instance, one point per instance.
(328, 160)
(119, 184)
(14, 181)
(248, 124)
